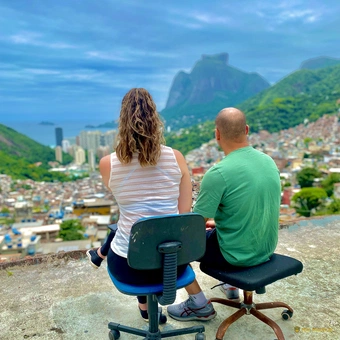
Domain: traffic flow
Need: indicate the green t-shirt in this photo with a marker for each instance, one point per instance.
(243, 193)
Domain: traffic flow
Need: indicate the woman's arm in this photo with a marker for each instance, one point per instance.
(105, 169)
(185, 187)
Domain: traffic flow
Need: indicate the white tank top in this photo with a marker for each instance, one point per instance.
(143, 192)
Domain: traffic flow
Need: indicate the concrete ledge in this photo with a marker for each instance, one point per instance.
(48, 258)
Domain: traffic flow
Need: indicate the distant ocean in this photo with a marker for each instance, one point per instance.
(45, 134)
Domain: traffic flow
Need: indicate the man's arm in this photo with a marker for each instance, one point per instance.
(209, 197)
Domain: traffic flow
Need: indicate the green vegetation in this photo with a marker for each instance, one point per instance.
(18, 145)
(191, 138)
(305, 94)
(308, 200)
(20, 168)
(71, 230)
(307, 176)
(23, 158)
(328, 183)
(334, 207)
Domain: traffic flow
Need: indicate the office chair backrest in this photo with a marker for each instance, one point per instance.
(148, 233)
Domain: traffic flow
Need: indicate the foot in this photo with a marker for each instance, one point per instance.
(188, 311)
(232, 293)
(95, 259)
(144, 314)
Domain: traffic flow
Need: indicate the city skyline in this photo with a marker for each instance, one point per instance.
(75, 60)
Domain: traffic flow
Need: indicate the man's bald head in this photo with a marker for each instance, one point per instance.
(231, 123)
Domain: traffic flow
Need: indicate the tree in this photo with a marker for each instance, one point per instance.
(306, 177)
(71, 230)
(308, 199)
(328, 183)
(307, 140)
(334, 207)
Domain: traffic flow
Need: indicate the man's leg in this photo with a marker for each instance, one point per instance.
(196, 307)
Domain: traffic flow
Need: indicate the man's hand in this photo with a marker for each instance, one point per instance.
(210, 224)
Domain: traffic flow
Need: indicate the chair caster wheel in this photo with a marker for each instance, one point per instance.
(286, 314)
(200, 336)
(114, 335)
(162, 319)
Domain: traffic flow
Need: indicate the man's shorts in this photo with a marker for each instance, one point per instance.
(213, 256)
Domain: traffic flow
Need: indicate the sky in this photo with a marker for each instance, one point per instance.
(75, 59)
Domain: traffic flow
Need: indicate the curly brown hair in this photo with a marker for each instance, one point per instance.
(140, 129)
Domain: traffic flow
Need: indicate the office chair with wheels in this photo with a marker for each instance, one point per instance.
(166, 242)
(252, 279)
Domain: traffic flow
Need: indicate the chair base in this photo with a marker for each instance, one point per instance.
(153, 333)
(249, 307)
(147, 334)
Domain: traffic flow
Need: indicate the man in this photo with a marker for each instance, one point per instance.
(242, 193)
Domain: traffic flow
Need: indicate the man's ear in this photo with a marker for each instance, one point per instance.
(247, 129)
(217, 134)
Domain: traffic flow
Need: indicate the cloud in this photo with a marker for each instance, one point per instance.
(34, 39)
(44, 72)
(107, 56)
(210, 19)
(306, 15)
(77, 52)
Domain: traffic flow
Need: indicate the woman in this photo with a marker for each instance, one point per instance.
(146, 179)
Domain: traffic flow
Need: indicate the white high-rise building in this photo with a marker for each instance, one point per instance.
(92, 140)
(79, 156)
(109, 139)
(91, 160)
(65, 144)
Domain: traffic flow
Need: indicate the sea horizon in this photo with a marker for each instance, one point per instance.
(45, 134)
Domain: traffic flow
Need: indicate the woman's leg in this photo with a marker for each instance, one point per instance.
(104, 249)
(96, 256)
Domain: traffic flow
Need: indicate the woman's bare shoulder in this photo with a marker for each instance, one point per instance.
(105, 163)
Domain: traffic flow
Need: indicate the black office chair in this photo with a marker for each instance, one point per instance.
(252, 279)
(162, 242)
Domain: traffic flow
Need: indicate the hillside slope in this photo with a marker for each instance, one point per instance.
(19, 154)
(303, 94)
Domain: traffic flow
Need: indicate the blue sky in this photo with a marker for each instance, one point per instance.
(75, 59)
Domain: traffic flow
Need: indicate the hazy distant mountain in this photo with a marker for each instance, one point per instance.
(211, 85)
(320, 62)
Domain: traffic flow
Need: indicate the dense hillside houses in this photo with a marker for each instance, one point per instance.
(33, 213)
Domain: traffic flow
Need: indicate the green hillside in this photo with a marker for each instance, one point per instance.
(19, 154)
(303, 94)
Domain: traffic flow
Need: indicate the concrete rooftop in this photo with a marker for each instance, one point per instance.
(62, 297)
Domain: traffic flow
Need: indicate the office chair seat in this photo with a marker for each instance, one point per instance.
(251, 279)
(187, 277)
